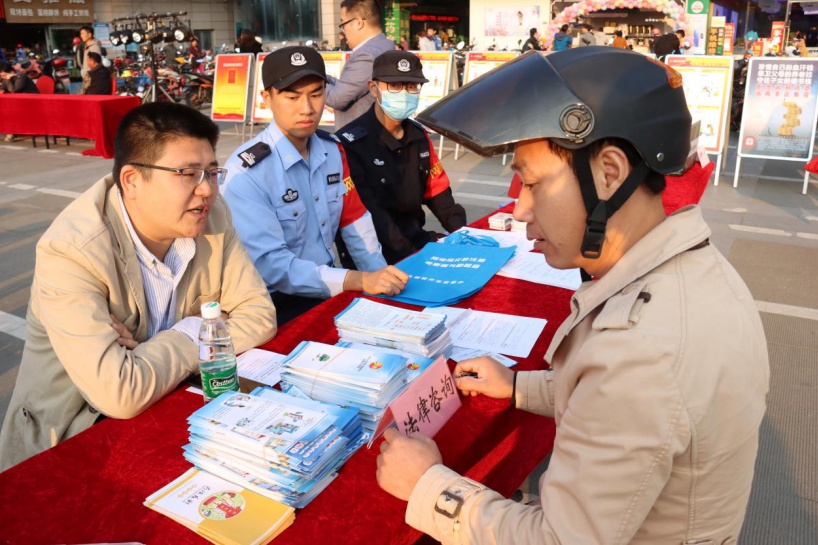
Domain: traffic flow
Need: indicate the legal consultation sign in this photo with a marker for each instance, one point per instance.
(779, 109)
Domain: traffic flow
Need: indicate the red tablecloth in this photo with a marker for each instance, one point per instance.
(81, 116)
(91, 488)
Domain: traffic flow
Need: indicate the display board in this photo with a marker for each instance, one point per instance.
(781, 95)
(437, 68)
(480, 62)
(334, 63)
(261, 113)
(707, 82)
(231, 85)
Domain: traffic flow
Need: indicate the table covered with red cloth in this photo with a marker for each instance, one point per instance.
(95, 117)
(90, 488)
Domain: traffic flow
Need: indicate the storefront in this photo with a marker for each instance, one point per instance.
(30, 24)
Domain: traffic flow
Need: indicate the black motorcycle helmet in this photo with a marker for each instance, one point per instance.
(574, 98)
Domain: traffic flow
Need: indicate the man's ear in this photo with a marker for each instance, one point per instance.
(610, 168)
(373, 88)
(129, 180)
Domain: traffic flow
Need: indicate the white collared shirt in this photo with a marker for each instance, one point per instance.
(160, 280)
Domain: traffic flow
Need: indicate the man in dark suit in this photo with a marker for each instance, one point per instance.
(98, 79)
(349, 94)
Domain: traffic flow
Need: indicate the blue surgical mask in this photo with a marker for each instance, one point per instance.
(399, 106)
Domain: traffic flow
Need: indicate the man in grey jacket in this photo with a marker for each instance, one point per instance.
(658, 377)
(349, 94)
(89, 44)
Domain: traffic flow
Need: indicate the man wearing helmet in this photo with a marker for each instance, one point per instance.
(657, 414)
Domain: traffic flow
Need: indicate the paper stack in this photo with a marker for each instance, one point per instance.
(368, 322)
(282, 447)
(364, 380)
(220, 511)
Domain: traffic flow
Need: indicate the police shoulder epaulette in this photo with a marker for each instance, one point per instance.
(352, 134)
(326, 135)
(254, 154)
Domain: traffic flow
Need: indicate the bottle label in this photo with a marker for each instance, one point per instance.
(218, 381)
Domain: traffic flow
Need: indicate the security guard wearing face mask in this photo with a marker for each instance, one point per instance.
(393, 162)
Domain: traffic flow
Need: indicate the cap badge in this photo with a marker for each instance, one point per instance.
(403, 65)
(297, 59)
(577, 121)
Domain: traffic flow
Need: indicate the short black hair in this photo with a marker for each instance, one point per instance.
(564, 28)
(145, 130)
(94, 56)
(532, 32)
(5, 67)
(654, 182)
(587, 27)
(87, 28)
(369, 10)
(681, 33)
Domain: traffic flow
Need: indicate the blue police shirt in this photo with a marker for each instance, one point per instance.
(287, 211)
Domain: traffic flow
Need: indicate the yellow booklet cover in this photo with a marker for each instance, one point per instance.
(220, 510)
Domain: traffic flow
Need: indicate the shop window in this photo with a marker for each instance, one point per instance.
(282, 20)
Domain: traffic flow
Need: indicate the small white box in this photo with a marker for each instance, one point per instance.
(517, 225)
(501, 221)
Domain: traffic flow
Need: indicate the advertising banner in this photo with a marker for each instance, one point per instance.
(437, 68)
(478, 63)
(512, 21)
(334, 63)
(729, 38)
(706, 81)
(231, 86)
(261, 113)
(777, 36)
(698, 12)
(51, 11)
(779, 109)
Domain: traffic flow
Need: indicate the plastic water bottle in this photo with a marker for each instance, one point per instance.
(217, 359)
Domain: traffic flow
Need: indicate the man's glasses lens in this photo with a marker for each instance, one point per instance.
(345, 23)
(194, 176)
(396, 87)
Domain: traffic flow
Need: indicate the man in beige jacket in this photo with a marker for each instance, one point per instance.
(659, 376)
(119, 279)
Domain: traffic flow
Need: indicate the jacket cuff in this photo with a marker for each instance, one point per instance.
(535, 392)
(420, 512)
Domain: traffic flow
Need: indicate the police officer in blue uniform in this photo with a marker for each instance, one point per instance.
(393, 162)
(290, 193)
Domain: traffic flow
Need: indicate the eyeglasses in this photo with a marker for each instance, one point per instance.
(397, 87)
(192, 176)
(345, 23)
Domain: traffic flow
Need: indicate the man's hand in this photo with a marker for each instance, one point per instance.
(390, 281)
(403, 461)
(493, 378)
(125, 337)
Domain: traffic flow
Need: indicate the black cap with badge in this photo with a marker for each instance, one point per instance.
(398, 66)
(287, 65)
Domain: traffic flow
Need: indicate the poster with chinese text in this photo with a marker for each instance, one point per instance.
(334, 63)
(779, 109)
(231, 86)
(512, 21)
(478, 63)
(261, 113)
(706, 81)
(437, 68)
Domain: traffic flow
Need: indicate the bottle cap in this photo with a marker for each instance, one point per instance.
(211, 310)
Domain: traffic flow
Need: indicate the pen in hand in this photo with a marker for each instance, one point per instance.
(467, 374)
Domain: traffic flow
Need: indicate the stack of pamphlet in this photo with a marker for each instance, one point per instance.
(220, 511)
(364, 380)
(282, 447)
(368, 322)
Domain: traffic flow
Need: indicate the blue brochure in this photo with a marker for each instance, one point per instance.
(443, 274)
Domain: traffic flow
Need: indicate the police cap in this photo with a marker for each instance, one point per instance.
(287, 65)
(398, 66)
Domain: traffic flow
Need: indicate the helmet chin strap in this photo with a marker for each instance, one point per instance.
(600, 211)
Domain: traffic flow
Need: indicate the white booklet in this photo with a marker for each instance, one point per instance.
(389, 322)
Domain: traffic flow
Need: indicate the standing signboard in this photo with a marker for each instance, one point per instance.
(729, 38)
(437, 68)
(777, 36)
(477, 64)
(707, 83)
(231, 86)
(334, 63)
(781, 96)
(261, 113)
(698, 11)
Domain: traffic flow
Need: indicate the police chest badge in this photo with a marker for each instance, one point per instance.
(290, 196)
(333, 178)
(379, 162)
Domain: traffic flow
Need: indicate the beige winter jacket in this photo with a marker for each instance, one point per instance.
(86, 267)
(658, 387)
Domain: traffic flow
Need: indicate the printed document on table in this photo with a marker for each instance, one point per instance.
(533, 268)
(492, 331)
(261, 366)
